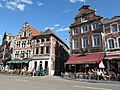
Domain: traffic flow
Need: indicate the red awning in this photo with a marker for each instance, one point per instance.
(89, 58)
(112, 57)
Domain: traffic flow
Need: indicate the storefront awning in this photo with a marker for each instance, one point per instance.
(111, 57)
(18, 61)
(86, 59)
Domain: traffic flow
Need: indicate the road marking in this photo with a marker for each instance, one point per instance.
(96, 88)
(22, 80)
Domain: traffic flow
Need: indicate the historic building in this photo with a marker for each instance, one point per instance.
(6, 49)
(22, 50)
(86, 39)
(49, 53)
(111, 29)
(32, 49)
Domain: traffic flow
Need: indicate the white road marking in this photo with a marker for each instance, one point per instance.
(22, 80)
(96, 88)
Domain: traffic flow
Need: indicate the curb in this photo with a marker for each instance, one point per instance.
(94, 81)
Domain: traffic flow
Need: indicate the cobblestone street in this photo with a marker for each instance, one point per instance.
(50, 83)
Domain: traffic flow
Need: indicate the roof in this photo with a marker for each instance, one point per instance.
(19, 61)
(89, 58)
(50, 32)
(34, 31)
(84, 10)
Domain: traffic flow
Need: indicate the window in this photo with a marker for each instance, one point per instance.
(85, 42)
(23, 43)
(47, 39)
(75, 43)
(42, 50)
(84, 29)
(42, 40)
(114, 27)
(47, 49)
(37, 40)
(95, 25)
(84, 18)
(18, 44)
(24, 34)
(119, 42)
(75, 31)
(96, 40)
(37, 50)
(111, 43)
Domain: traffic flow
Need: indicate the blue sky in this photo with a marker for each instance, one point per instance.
(54, 14)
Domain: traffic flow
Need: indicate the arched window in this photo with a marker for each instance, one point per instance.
(111, 43)
(46, 64)
(118, 42)
(40, 65)
(37, 50)
(96, 40)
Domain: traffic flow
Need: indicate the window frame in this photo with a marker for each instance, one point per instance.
(85, 46)
(111, 27)
(97, 39)
(109, 44)
(82, 28)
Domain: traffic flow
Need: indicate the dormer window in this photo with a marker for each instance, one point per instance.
(84, 18)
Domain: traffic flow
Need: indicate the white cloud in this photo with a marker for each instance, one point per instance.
(74, 1)
(63, 29)
(40, 4)
(27, 1)
(15, 4)
(52, 27)
(21, 7)
(1, 5)
(56, 25)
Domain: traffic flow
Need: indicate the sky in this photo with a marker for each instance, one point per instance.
(57, 15)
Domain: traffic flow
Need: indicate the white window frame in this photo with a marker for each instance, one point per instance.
(108, 43)
(117, 27)
(74, 31)
(73, 43)
(118, 42)
(96, 22)
(83, 41)
(94, 41)
(83, 20)
(82, 31)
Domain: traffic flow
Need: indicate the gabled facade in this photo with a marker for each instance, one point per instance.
(23, 42)
(86, 41)
(85, 32)
(34, 50)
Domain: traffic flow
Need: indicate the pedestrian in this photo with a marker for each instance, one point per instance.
(33, 72)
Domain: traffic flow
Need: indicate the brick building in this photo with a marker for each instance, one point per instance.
(86, 40)
(111, 29)
(49, 53)
(42, 51)
(6, 49)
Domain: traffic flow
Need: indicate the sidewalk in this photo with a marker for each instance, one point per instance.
(94, 81)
